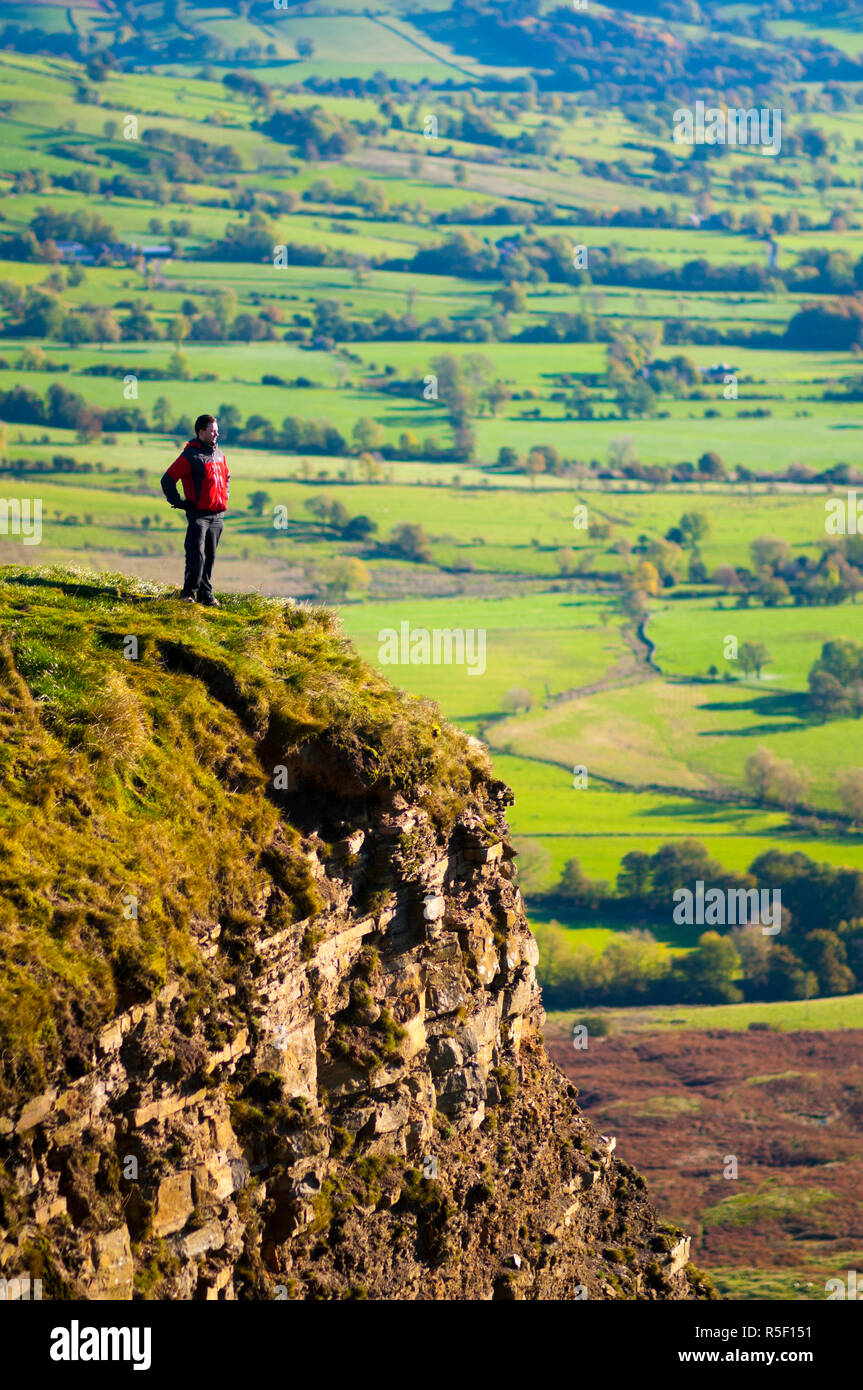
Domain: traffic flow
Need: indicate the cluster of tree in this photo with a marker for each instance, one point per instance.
(833, 327)
(818, 950)
(77, 225)
(476, 126)
(776, 576)
(38, 242)
(248, 85)
(599, 52)
(67, 410)
(40, 312)
(27, 38)
(186, 157)
(332, 324)
(335, 517)
(58, 463)
(529, 256)
(313, 131)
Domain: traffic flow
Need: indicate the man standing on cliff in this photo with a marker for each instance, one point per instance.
(203, 469)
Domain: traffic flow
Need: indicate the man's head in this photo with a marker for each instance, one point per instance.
(207, 429)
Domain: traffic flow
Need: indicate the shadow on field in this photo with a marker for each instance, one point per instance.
(782, 713)
(80, 589)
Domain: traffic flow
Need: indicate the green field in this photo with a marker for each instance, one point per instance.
(821, 1014)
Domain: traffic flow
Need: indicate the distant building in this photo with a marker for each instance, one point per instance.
(100, 253)
(152, 253)
(717, 371)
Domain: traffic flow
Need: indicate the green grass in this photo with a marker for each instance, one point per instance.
(557, 638)
(803, 1283)
(691, 736)
(690, 637)
(834, 1012)
(765, 1203)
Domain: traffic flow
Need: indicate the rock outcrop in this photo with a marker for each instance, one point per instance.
(354, 1104)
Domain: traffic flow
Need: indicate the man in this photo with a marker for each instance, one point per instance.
(203, 469)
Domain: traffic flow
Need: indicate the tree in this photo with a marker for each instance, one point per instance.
(773, 780)
(679, 864)
(179, 366)
(827, 698)
(785, 977)
(229, 418)
(850, 788)
(535, 465)
(368, 468)
(577, 887)
(517, 698)
(305, 48)
(511, 298)
(634, 874)
(753, 656)
(345, 574)
(825, 954)
(644, 578)
(694, 526)
(726, 577)
(769, 551)
(842, 658)
(329, 510)
(771, 589)
(367, 434)
(708, 972)
(754, 949)
(496, 395)
(534, 864)
(711, 465)
(635, 398)
(359, 528)
(410, 541)
(162, 414)
(223, 304)
(697, 570)
(258, 503)
(621, 451)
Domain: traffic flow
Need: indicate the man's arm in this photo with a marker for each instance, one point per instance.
(169, 482)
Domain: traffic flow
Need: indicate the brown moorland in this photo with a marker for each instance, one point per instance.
(787, 1105)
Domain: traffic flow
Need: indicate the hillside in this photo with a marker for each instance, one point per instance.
(269, 1016)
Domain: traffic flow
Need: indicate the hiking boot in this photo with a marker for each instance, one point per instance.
(211, 602)
(189, 598)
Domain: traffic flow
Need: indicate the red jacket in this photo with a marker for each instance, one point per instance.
(203, 471)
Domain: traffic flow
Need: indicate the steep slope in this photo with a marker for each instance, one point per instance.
(268, 1012)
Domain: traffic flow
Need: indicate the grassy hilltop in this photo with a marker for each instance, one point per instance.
(142, 794)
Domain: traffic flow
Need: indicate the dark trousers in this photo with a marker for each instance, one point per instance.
(202, 538)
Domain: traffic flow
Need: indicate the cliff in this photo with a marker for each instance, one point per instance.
(269, 1023)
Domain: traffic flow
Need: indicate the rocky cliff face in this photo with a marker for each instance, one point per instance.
(357, 1104)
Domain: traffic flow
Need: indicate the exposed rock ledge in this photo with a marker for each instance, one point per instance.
(299, 1159)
